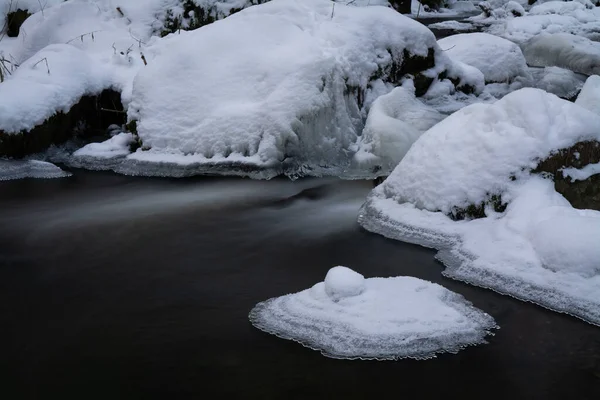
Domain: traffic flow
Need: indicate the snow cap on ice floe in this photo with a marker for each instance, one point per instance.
(348, 316)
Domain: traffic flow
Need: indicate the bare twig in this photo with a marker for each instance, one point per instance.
(91, 34)
(144, 59)
(449, 48)
(139, 41)
(332, 10)
(46, 61)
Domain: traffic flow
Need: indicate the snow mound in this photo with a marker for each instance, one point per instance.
(17, 169)
(568, 242)
(581, 174)
(452, 25)
(589, 97)
(116, 146)
(220, 95)
(564, 50)
(341, 282)
(395, 122)
(478, 151)
(559, 81)
(390, 318)
(498, 59)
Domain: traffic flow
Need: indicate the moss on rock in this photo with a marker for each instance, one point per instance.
(95, 113)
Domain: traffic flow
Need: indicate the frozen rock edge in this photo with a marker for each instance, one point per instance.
(459, 263)
(294, 317)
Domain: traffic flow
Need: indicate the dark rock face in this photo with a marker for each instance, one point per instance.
(402, 6)
(95, 113)
(583, 194)
(14, 21)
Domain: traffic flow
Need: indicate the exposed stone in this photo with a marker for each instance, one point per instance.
(92, 113)
(584, 194)
(14, 21)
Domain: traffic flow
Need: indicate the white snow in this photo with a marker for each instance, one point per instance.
(116, 146)
(474, 152)
(395, 122)
(589, 97)
(31, 6)
(498, 59)
(554, 17)
(559, 81)
(21, 169)
(564, 50)
(485, 150)
(391, 318)
(341, 282)
(581, 174)
(51, 81)
(229, 99)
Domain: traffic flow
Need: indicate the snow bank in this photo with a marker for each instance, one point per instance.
(221, 94)
(564, 50)
(395, 122)
(388, 318)
(498, 59)
(17, 169)
(559, 81)
(484, 151)
(589, 97)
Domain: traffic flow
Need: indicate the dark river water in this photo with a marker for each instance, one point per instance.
(114, 287)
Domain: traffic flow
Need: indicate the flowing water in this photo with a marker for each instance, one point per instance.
(117, 287)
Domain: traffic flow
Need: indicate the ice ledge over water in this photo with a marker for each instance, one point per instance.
(541, 250)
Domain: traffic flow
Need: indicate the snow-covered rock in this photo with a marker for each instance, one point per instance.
(589, 97)
(480, 150)
(341, 282)
(19, 169)
(559, 81)
(479, 162)
(227, 101)
(395, 122)
(498, 59)
(389, 318)
(563, 50)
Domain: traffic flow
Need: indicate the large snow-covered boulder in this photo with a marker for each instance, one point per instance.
(375, 318)
(589, 97)
(499, 60)
(279, 85)
(564, 50)
(395, 122)
(478, 152)
(486, 188)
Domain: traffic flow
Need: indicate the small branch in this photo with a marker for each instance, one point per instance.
(46, 61)
(332, 10)
(82, 36)
(113, 111)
